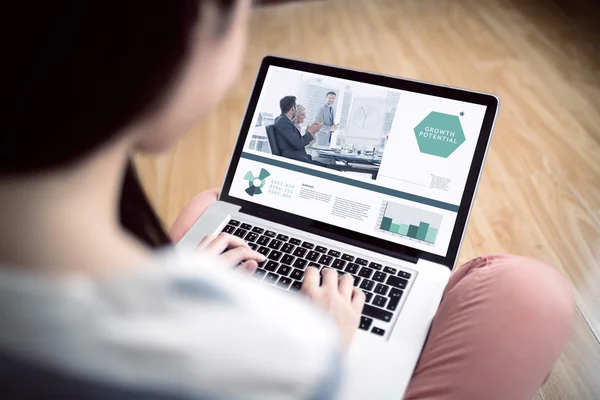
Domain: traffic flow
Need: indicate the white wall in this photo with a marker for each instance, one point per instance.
(281, 82)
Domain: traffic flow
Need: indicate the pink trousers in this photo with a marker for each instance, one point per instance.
(502, 323)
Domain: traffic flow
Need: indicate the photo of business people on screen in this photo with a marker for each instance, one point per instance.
(323, 121)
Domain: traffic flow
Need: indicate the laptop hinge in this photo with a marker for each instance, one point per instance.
(337, 236)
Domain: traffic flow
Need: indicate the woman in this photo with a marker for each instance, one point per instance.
(95, 302)
(299, 116)
(298, 120)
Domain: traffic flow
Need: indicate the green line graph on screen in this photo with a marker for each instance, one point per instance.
(409, 222)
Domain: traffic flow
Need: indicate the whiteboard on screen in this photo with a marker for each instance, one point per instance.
(365, 126)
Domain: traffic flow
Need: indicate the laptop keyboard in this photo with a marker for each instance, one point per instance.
(288, 257)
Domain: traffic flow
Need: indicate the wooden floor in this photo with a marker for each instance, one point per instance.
(540, 192)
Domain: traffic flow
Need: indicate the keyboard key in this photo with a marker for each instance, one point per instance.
(356, 280)
(234, 222)
(275, 255)
(390, 270)
(339, 264)
(275, 244)
(379, 276)
(365, 323)
(325, 260)
(352, 268)
(365, 272)
(378, 331)
(307, 245)
(251, 237)
(376, 266)
(312, 256)
(296, 286)
(259, 274)
(396, 282)
(287, 248)
(270, 234)
(395, 296)
(381, 289)
(246, 226)
(240, 233)
(253, 246)
(334, 253)
(263, 250)
(297, 274)
(299, 252)
(284, 270)
(263, 240)
(361, 261)
(271, 278)
(403, 274)
(284, 282)
(315, 265)
(300, 263)
(321, 249)
(368, 296)
(287, 259)
(271, 265)
(229, 229)
(367, 284)
(258, 230)
(376, 313)
(283, 238)
(295, 241)
(378, 301)
(348, 257)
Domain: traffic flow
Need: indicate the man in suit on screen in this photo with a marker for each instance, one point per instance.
(326, 114)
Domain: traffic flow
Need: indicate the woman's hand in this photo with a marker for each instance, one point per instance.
(232, 251)
(338, 297)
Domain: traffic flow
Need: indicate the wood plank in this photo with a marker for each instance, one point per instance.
(569, 233)
(575, 375)
(588, 194)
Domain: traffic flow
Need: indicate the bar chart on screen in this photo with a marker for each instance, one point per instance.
(409, 222)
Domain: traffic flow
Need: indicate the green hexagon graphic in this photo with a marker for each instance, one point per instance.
(439, 134)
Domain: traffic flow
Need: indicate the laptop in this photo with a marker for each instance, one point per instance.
(387, 203)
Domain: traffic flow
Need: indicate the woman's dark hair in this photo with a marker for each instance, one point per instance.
(82, 70)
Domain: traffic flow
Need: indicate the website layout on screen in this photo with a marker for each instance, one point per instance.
(383, 162)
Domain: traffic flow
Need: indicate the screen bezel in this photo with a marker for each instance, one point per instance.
(349, 236)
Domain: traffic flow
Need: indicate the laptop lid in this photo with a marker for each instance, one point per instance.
(397, 175)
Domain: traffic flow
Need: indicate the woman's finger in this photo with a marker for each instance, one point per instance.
(240, 254)
(358, 300)
(205, 242)
(248, 268)
(225, 241)
(330, 278)
(311, 280)
(345, 285)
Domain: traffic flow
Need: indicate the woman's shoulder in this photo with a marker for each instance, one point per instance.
(182, 320)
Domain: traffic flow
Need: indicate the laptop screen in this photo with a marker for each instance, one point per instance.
(388, 163)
